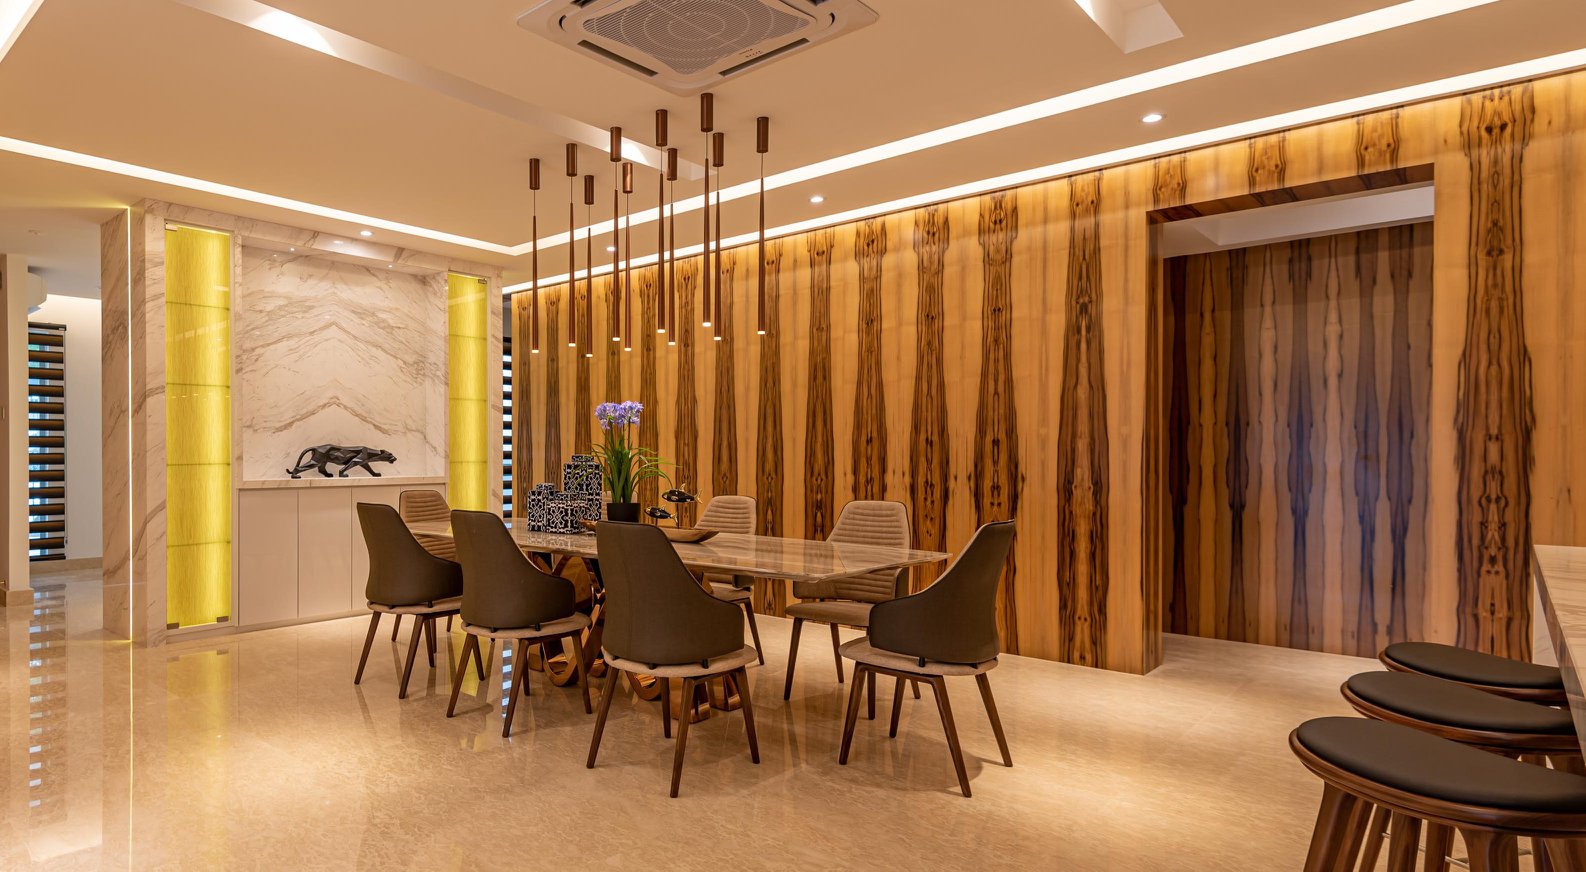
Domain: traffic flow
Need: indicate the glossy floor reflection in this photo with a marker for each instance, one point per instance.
(256, 751)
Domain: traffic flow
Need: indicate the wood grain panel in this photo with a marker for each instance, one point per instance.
(870, 399)
(1493, 411)
(929, 485)
(551, 456)
(582, 415)
(686, 428)
(995, 474)
(613, 353)
(724, 439)
(523, 404)
(820, 508)
(644, 284)
(769, 444)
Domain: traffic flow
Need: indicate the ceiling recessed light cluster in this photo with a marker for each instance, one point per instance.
(1151, 117)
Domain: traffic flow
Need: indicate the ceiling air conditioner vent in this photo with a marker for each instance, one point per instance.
(687, 46)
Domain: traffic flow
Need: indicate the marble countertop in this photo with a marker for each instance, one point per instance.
(359, 480)
(1560, 574)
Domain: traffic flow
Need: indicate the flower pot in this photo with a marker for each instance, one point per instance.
(622, 512)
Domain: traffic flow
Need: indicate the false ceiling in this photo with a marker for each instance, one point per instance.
(443, 142)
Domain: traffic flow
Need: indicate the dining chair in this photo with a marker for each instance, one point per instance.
(947, 630)
(404, 579)
(848, 601)
(507, 598)
(660, 622)
(424, 506)
(732, 514)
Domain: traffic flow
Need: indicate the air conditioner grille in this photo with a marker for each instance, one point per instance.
(693, 35)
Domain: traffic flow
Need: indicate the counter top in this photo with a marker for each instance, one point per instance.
(1560, 575)
(352, 480)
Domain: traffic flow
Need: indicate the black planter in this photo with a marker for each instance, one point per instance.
(622, 512)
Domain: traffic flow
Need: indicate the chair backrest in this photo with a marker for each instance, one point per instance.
(728, 514)
(656, 613)
(865, 522)
(401, 572)
(503, 589)
(955, 619)
(428, 507)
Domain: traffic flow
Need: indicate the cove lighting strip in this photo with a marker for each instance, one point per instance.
(1365, 24)
(1411, 94)
(14, 18)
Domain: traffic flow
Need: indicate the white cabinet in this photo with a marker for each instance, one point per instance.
(301, 555)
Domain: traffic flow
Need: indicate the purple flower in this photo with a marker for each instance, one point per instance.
(623, 414)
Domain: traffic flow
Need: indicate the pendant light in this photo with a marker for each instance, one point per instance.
(671, 255)
(534, 256)
(660, 224)
(627, 262)
(616, 235)
(589, 268)
(718, 157)
(762, 144)
(572, 246)
(707, 125)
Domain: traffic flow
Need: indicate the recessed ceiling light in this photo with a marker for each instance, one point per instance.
(1151, 117)
(611, 248)
(817, 199)
(371, 232)
(291, 249)
(335, 242)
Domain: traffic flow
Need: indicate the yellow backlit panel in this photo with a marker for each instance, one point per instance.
(468, 409)
(197, 426)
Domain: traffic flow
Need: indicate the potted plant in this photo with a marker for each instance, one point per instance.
(622, 464)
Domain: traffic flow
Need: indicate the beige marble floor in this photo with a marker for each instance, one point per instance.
(255, 751)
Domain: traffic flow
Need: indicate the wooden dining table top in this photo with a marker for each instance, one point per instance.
(735, 553)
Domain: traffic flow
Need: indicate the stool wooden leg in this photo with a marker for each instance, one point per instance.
(1327, 840)
(1374, 831)
(792, 657)
(1567, 853)
(1405, 847)
(870, 694)
(1356, 832)
(666, 707)
(1439, 839)
(1491, 852)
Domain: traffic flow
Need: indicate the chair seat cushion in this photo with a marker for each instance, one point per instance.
(844, 612)
(1420, 763)
(1447, 704)
(439, 607)
(1473, 667)
(548, 629)
(728, 593)
(861, 651)
(715, 666)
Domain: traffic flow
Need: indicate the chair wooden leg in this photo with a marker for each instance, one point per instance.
(682, 736)
(1491, 852)
(413, 650)
(583, 673)
(429, 637)
(1374, 830)
(837, 655)
(395, 626)
(613, 675)
(996, 723)
(479, 662)
(939, 684)
(520, 665)
(792, 657)
(916, 685)
(1439, 839)
(1404, 847)
(1567, 853)
(666, 707)
(870, 693)
(449, 623)
(368, 642)
(852, 715)
(897, 709)
(1327, 843)
(1542, 858)
(470, 644)
(754, 631)
(748, 714)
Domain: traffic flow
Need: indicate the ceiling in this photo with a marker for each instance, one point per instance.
(171, 86)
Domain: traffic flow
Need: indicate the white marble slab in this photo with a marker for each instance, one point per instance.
(338, 353)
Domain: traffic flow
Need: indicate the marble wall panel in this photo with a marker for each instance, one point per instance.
(331, 352)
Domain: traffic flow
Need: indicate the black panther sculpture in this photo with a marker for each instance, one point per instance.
(321, 456)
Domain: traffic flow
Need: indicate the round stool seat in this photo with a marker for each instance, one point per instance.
(1423, 765)
(1500, 674)
(1437, 702)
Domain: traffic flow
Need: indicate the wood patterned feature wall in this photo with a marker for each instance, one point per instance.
(649, 392)
(1022, 371)
(1300, 392)
(724, 444)
(769, 448)
(551, 456)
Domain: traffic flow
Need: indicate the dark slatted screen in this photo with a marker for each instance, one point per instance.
(506, 427)
(46, 441)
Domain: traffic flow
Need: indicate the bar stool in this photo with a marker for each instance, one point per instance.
(1515, 679)
(1465, 715)
(1421, 778)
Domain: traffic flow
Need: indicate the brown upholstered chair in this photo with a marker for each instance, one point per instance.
(732, 514)
(423, 506)
(948, 629)
(506, 597)
(404, 579)
(847, 601)
(660, 622)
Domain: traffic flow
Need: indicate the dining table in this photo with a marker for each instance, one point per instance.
(774, 559)
(1559, 573)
